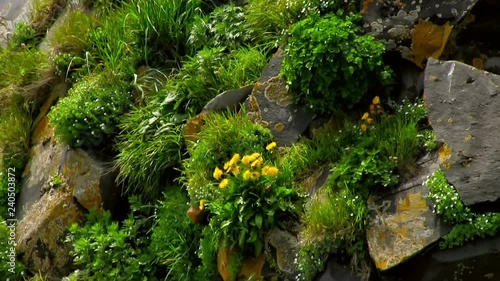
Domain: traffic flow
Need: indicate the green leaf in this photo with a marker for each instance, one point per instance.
(258, 221)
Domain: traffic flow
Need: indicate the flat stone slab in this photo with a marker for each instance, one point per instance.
(463, 106)
(403, 224)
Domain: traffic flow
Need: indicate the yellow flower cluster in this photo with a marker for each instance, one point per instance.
(251, 165)
(375, 111)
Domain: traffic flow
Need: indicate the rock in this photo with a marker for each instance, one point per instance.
(394, 22)
(40, 234)
(196, 215)
(402, 224)
(12, 12)
(286, 246)
(48, 206)
(462, 104)
(337, 272)
(228, 99)
(271, 106)
(476, 260)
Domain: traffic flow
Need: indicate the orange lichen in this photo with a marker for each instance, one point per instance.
(429, 40)
(478, 63)
(444, 153)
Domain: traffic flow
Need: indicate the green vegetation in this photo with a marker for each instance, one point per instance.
(466, 224)
(6, 247)
(88, 116)
(218, 141)
(329, 66)
(107, 250)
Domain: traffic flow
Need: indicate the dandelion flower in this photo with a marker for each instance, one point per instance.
(217, 173)
(235, 159)
(254, 156)
(366, 116)
(254, 175)
(246, 159)
(364, 128)
(236, 170)
(257, 162)
(271, 146)
(202, 205)
(376, 100)
(369, 120)
(246, 175)
(223, 183)
(272, 171)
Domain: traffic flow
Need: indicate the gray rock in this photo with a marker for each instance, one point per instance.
(476, 260)
(228, 99)
(286, 246)
(402, 224)
(463, 107)
(337, 272)
(271, 105)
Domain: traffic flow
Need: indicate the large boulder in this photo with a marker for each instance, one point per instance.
(463, 106)
(271, 105)
(403, 223)
(59, 185)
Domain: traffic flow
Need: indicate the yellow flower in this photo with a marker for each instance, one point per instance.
(364, 128)
(223, 183)
(246, 175)
(376, 100)
(255, 175)
(257, 162)
(236, 170)
(273, 171)
(365, 116)
(246, 159)
(235, 159)
(369, 120)
(254, 156)
(202, 205)
(217, 173)
(271, 145)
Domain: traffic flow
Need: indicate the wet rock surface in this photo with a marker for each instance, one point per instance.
(463, 105)
(402, 224)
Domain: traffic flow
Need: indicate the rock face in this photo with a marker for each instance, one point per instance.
(286, 246)
(403, 224)
(476, 260)
(463, 105)
(397, 23)
(271, 106)
(59, 185)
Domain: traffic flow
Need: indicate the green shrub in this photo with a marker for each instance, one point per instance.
(213, 71)
(88, 116)
(6, 248)
(106, 250)
(150, 143)
(466, 224)
(251, 196)
(72, 68)
(176, 241)
(23, 34)
(219, 139)
(329, 66)
(224, 27)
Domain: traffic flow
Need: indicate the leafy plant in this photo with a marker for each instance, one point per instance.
(466, 224)
(329, 66)
(224, 27)
(24, 35)
(88, 116)
(219, 139)
(176, 241)
(251, 197)
(107, 251)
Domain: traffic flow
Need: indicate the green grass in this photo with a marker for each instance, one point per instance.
(72, 35)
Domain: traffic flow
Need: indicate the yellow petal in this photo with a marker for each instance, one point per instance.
(217, 173)
(364, 128)
(376, 100)
(223, 183)
(271, 145)
(365, 116)
(202, 204)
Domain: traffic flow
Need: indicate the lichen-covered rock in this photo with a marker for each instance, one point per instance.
(476, 260)
(271, 105)
(40, 234)
(403, 224)
(463, 106)
(286, 246)
(395, 22)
